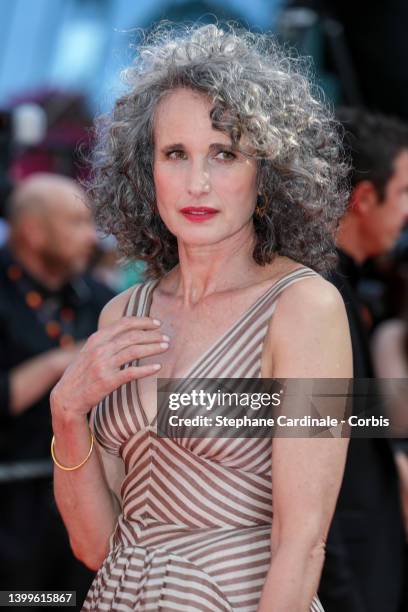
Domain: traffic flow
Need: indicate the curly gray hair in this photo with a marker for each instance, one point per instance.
(258, 92)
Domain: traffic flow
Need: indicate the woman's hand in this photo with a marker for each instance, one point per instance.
(98, 369)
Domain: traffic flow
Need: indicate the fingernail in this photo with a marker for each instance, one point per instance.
(164, 344)
(156, 322)
(166, 338)
(156, 366)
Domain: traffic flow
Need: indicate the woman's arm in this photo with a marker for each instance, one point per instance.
(85, 500)
(309, 338)
(83, 496)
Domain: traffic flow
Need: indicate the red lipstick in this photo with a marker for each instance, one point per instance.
(198, 214)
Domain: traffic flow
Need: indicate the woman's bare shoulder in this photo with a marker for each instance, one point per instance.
(309, 332)
(315, 289)
(311, 306)
(114, 309)
(313, 293)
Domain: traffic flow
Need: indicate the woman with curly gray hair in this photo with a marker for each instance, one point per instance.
(223, 172)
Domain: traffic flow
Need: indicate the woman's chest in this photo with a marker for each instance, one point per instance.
(244, 354)
(208, 340)
(192, 331)
(190, 341)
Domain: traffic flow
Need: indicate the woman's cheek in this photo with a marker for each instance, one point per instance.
(168, 186)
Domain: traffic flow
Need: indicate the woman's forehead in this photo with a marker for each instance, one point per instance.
(184, 96)
(184, 114)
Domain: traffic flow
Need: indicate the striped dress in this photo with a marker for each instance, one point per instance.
(194, 532)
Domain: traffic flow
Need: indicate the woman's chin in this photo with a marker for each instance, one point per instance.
(198, 237)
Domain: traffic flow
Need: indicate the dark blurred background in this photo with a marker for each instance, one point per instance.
(60, 64)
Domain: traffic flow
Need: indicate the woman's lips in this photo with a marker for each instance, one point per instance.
(198, 214)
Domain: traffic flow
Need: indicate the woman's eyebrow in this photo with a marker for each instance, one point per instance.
(214, 146)
(220, 145)
(170, 147)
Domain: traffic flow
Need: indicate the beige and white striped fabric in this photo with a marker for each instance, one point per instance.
(194, 533)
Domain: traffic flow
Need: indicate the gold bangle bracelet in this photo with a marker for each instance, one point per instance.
(75, 467)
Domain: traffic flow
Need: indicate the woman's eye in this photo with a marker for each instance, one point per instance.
(177, 154)
(225, 155)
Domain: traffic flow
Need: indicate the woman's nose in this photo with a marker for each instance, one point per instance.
(199, 179)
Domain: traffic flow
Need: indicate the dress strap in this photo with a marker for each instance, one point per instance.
(288, 279)
(139, 299)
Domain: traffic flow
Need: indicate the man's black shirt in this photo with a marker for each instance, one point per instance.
(22, 337)
(346, 279)
(364, 569)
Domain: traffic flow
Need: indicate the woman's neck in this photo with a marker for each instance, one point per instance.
(204, 270)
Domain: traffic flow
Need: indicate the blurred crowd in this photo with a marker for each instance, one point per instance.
(56, 274)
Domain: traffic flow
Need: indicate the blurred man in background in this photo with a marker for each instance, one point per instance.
(48, 305)
(365, 565)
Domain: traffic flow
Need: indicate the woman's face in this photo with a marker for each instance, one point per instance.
(206, 192)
